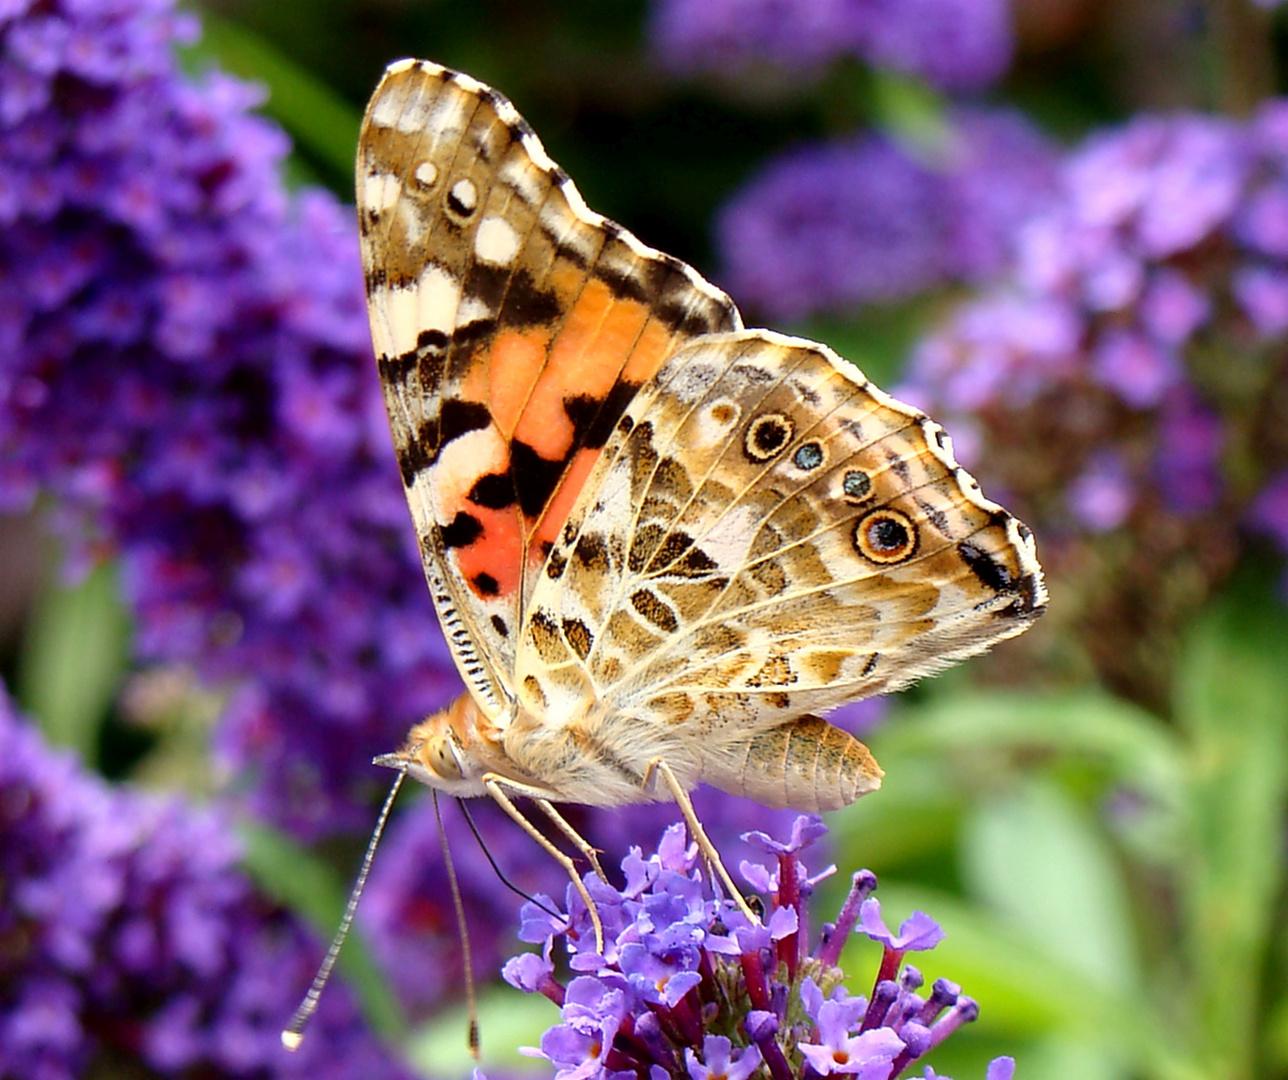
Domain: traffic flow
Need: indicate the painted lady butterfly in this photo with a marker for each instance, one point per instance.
(658, 542)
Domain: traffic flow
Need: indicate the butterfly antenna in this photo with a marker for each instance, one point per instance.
(471, 998)
(469, 820)
(293, 1034)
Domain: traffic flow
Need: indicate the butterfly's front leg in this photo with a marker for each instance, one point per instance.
(496, 785)
(659, 767)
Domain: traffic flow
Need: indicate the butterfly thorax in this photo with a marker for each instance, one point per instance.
(456, 749)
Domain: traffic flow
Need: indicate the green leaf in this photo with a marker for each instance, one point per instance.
(294, 877)
(1233, 702)
(320, 121)
(74, 659)
(909, 109)
(1040, 862)
(1136, 747)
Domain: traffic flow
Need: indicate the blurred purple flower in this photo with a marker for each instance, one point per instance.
(832, 226)
(613, 1024)
(1164, 255)
(131, 936)
(953, 44)
(185, 366)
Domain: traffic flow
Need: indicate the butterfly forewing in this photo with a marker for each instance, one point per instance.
(512, 327)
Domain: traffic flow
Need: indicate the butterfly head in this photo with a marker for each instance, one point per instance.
(450, 750)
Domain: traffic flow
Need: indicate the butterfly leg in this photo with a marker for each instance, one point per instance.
(583, 845)
(708, 849)
(496, 786)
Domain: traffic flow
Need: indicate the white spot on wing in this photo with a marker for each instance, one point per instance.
(496, 241)
(399, 315)
(465, 194)
(426, 174)
(380, 190)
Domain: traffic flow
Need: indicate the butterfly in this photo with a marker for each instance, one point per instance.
(661, 545)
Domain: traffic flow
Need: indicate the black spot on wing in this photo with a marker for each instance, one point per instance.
(473, 332)
(419, 453)
(593, 419)
(458, 417)
(592, 552)
(462, 531)
(989, 572)
(527, 305)
(578, 635)
(486, 584)
(486, 284)
(899, 467)
(935, 516)
(495, 491)
(535, 477)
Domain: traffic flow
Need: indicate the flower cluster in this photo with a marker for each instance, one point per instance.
(185, 368)
(406, 912)
(953, 44)
(127, 934)
(689, 985)
(867, 220)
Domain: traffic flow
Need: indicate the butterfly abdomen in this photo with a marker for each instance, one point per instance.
(805, 764)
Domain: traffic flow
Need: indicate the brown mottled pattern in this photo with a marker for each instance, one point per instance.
(755, 561)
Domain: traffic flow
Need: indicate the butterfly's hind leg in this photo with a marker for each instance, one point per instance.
(708, 849)
(496, 785)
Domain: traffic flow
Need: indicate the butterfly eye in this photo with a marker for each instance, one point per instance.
(885, 536)
(440, 759)
(767, 435)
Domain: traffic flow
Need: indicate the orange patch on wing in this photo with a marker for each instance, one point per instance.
(618, 335)
(585, 360)
(516, 360)
(581, 326)
(561, 502)
(498, 552)
(652, 347)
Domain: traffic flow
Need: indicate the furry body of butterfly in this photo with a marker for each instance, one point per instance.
(651, 535)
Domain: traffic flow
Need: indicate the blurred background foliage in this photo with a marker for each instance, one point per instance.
(1095, 812)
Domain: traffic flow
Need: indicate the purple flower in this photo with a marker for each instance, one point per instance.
(133, 936)
(917, 932)
(186, 375)
(718, 1062)
(650, 1006)
(1102, 497)
(862, 221)
(406, 914)
(954, 44)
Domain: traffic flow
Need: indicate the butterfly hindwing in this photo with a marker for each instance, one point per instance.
(512, 326)
(766, 536)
